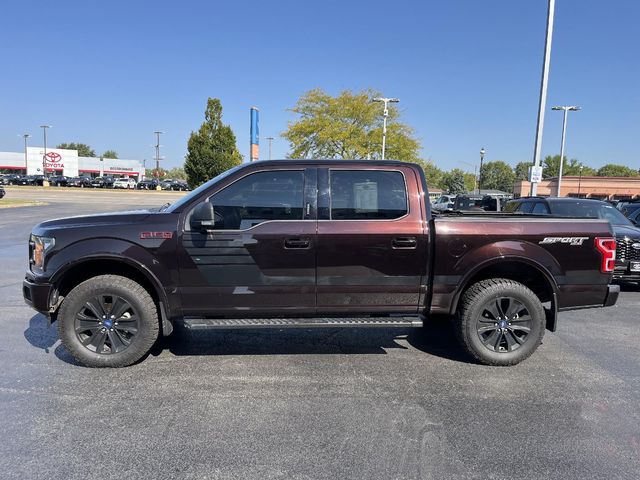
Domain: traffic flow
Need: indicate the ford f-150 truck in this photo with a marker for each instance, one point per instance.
(312, 243)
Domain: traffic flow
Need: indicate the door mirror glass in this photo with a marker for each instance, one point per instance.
(202, 217)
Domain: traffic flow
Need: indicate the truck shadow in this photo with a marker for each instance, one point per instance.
(436, 339)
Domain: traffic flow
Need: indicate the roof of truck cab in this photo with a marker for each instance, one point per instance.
(394, 163)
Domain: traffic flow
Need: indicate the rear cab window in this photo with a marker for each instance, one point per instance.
(367, 195)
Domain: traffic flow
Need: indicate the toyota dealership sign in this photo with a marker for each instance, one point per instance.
(56, 161)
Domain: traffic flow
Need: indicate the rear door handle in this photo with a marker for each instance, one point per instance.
(297, 243)
(404, 242)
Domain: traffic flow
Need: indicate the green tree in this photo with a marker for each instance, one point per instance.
(453, 181)
(497, 175)
(83, 149)
(614, 170)
(469, 182)
(551, 167)
(110, 154)
(212, 149)
(347, 126)
(432, 173)
(177, 173)
(521, 171)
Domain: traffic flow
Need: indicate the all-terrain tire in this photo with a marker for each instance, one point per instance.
(474, 315)
(142, 308)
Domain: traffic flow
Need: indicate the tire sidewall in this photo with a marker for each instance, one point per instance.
(534, 338)
(141, 342)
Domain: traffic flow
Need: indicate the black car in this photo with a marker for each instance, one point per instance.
(179, 186)
(474, 202)
(630, 208)
(27, 180)
(4, 180)
(627, 234)
(82, 182)
(58, 181)
(147, 184)
(102, 182)
(2, 192)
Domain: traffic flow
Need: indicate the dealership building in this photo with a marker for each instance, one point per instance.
(59, 161)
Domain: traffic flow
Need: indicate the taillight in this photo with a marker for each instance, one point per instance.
(607, 248)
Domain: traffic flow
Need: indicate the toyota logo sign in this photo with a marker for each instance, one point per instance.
(53, 157)
(53, 160)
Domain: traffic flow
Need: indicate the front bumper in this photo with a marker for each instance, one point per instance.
(612, 295)
(37, 295)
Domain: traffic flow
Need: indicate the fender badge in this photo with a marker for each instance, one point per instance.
(163, 235)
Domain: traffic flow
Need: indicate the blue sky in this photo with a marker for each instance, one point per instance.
(467, 72)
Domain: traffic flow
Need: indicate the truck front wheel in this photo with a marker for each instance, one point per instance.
(108, 321)
(500, 322)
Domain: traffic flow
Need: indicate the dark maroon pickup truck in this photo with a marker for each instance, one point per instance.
(302, 243)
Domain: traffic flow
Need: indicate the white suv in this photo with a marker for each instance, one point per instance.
(124, 183)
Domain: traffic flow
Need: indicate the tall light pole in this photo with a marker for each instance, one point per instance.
(158, 133)
(25, 136)
(270, 139)
(44, 157)
(482, 152)
(565, 109)
(543, 92)
(385, 114)
(579, 181)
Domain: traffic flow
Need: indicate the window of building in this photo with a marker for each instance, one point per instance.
(367, 195)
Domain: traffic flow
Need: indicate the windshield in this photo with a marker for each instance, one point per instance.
(202, 188)
(603, 210)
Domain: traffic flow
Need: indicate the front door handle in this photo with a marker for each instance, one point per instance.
(297, 243)
(404, 242)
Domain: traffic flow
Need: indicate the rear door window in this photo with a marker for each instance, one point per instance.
(525, 207)
(367, 195)
(540, 209)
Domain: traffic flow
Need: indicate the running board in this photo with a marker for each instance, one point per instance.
(218, 323)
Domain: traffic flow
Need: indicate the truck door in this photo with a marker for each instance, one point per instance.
(372, 247)
(260, 255)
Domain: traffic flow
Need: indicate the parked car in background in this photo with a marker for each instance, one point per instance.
(166, 184)
(81, 182)
(4, 180)
(473, 202)
(30, 180)
(13, 178)
(634, 217)
(179, 186)
(127, 183)
(2, 192)
(148, 184)
(102, 182)
(630, 208)
(445, 202)
(58, 181)
(627, 265)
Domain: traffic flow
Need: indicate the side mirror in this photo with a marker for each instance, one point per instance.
(202, 217)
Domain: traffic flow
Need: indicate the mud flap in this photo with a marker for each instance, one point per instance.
(552, 314)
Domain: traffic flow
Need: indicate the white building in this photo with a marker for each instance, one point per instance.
(67, 162)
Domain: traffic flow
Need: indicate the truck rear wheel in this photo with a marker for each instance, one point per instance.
(108, 321)
(500, 322)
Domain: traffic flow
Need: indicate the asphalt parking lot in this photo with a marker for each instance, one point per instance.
(334, 404)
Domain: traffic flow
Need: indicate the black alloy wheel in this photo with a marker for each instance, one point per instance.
(106, 324)
(504, 324)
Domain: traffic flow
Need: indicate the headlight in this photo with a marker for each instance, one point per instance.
(39, 248)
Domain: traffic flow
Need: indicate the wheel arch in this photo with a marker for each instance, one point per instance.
(77, 272)
(531, 274)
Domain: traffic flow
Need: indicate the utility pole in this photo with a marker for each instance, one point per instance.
(482, 152)
(270, 139)
(158, 133)
(543, 92)
(565, 109)
(579, 181)
(44, 156)
(385, 114)
(26, 161)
